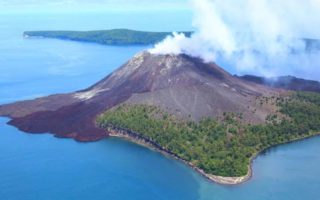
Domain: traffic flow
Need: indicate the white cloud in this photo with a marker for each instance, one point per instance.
(252, 35)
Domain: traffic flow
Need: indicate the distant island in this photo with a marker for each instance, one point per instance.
(106, 37)
(194, 111)
(125, 37)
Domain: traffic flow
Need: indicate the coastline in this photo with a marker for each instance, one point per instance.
(138, 139)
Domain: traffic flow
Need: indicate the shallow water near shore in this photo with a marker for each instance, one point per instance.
(44, 167)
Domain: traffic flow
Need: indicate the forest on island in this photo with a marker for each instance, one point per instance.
(223, 147)
(106, 37)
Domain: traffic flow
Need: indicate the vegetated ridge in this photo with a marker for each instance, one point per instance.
(105, 37)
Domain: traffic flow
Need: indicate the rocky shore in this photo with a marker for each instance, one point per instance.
(138, 139)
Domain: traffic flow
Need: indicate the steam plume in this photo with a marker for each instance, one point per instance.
(264, 37)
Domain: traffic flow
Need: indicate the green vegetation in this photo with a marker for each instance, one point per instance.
(106, 37)
(224, 147)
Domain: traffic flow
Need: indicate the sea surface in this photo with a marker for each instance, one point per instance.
(43, 167)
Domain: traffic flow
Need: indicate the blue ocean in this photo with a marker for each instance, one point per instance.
(42, 167)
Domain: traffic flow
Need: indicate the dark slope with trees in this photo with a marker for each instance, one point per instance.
(224, 147)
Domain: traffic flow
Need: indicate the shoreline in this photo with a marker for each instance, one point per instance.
(231, 181)
(138, 139)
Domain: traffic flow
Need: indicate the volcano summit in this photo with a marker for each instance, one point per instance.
(179, 84)
(194, 111)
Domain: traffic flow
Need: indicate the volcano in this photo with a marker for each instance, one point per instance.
(181, 85)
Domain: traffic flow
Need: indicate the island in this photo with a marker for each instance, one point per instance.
(106, 37)
(194, 111)
(126, 37)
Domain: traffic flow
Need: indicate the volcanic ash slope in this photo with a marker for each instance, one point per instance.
(181, 85)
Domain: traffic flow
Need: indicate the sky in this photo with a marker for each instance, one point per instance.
(88, 5)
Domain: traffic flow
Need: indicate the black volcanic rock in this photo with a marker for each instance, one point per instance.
(285, 82)
(179, 84)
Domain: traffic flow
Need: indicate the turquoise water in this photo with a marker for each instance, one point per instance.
(43, 167)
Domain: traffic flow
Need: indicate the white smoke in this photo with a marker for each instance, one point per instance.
(253, 36)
